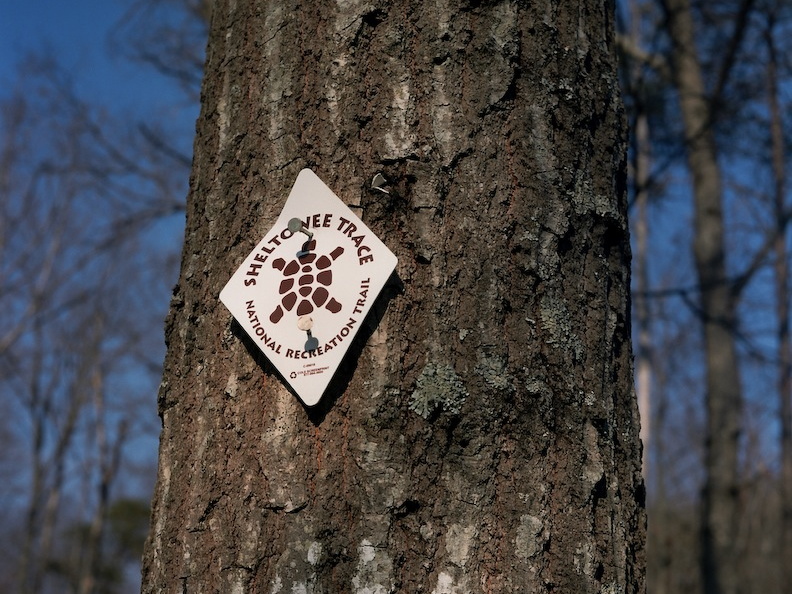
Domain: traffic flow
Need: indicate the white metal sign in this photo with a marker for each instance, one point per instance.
(303, 292)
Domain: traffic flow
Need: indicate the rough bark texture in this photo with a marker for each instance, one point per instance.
(719, 553)
(499, 126)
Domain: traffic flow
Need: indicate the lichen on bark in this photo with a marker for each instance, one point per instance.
(438, 388)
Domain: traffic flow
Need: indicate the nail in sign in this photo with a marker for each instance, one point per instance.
(303, 292)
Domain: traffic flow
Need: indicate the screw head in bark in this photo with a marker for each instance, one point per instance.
(296, 225)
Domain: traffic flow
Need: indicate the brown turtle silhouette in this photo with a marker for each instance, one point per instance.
(315, 269)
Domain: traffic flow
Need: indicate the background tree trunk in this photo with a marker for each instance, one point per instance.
(720, 503)
(499, 125)
(781, 282)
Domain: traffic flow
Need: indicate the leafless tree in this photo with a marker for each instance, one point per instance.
(83, 197)
(714, 56)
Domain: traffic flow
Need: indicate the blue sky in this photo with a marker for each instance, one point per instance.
(75, 31)
(78, 32)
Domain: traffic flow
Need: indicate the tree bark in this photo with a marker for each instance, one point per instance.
(719, 559)
(499, 126)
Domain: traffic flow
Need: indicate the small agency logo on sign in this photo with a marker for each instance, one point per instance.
(305, 289)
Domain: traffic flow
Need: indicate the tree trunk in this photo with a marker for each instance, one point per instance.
(719, 559)
(499, 126)
(781, 280)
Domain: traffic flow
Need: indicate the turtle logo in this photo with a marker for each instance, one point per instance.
(310, 287)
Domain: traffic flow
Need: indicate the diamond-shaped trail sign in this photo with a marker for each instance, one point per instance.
(302, 295)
